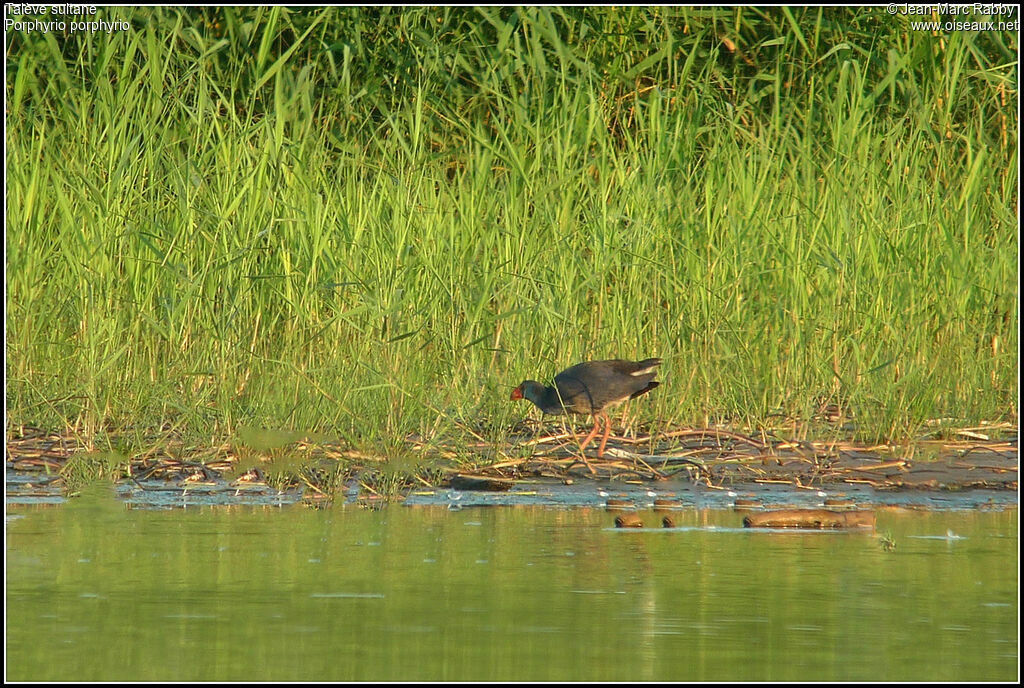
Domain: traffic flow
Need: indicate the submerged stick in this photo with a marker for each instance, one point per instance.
(480, 483)
(810, 518)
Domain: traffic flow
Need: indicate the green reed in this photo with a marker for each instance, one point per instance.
(375, 222)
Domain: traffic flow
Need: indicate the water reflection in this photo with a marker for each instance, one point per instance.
(98, 592)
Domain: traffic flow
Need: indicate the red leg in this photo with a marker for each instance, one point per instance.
(593, 433)
(604, 438)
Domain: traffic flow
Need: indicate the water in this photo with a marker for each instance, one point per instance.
(96, 591)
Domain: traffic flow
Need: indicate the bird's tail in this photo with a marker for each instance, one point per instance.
(647, 365)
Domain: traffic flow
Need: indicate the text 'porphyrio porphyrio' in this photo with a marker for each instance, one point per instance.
(592, 387)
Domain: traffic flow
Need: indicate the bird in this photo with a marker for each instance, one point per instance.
(591, 387)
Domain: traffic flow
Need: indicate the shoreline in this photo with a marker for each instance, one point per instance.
(706, 465)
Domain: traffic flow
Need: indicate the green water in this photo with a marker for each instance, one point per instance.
(96, 592)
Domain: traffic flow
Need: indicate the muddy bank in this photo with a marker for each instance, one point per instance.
(713, 468)
(718, 458)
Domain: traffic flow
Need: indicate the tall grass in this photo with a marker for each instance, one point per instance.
(374, 222)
